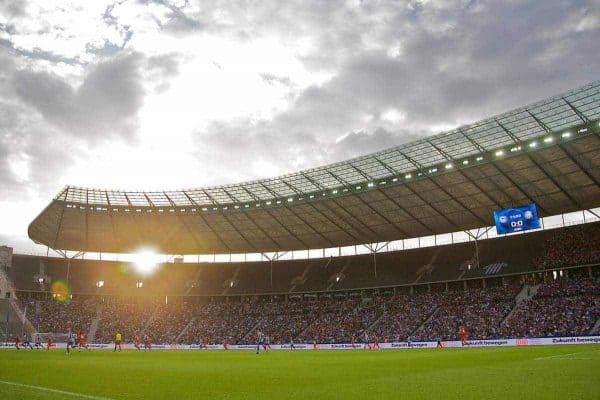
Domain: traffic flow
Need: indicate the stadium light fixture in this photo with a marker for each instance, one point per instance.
(407, 176)
(465, 162)
(499, 153)
(549, 139)
(448, 166)
(139, 284)
(99, 284)
(533, 145)
(334, 191)
(566, 135)
(480, 158)
(370, 184)
(145, 261)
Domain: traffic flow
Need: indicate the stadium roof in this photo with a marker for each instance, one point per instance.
(547, 153)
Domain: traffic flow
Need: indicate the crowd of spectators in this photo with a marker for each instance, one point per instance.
(567, 247)
(560, 307)
(565, 306)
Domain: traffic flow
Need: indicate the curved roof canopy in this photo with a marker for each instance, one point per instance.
(547, 153)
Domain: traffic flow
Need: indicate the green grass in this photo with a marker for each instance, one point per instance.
(543, 372)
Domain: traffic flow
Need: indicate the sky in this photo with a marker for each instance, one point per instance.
(159, 94)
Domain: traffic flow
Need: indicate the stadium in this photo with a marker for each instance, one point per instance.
(421, 214)
(458, 264)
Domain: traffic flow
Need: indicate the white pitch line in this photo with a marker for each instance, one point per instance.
(57, 391)
(567, 356)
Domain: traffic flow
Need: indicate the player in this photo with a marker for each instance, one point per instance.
(261, 342)
(70, 342)
(292, 345)
(205, 342)
(136, 342)
(118, 338)
(267, 343)
(367, 344)
(463, 335)
(17, 342)
(27, 342)
(81, 342)
(38, 341)
(50, 343)
(376, 342)
(147, 343)
(353, 342)
(225, 345)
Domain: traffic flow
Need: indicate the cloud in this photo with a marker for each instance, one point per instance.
(12, 8)
(104, 105)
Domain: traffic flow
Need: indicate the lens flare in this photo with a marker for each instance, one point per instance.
(61, 291)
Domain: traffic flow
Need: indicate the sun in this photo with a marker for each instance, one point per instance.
(145, 261)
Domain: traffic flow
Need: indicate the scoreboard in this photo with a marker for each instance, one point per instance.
(516, 219)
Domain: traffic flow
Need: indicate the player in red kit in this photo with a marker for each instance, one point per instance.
(463, 335)
(376, 342)
(81, 342)
(136, 342)
(50, 343)
(17, 342)
(205, 342)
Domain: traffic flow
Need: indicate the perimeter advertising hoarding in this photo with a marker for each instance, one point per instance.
(516, 219)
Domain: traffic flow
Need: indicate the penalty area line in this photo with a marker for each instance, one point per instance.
(56, 391)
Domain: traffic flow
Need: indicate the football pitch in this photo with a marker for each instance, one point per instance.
(542, 372)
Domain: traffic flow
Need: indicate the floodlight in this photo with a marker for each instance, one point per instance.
(566, 134)
(100, 284)
(448, 166)
(533, 144)
(499, 153)
(549, 139)
(139, 284)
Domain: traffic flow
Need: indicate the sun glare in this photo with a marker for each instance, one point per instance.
(146, 261)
